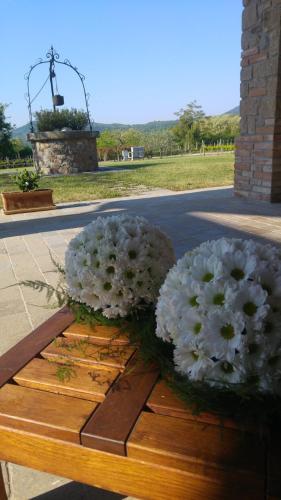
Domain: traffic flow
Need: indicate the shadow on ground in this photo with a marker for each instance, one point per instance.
(189, 218)
(78, 491)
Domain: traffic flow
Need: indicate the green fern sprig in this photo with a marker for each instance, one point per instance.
(57, 293)
(58, 266)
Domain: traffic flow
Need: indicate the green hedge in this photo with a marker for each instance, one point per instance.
(28, 162)
(48, 121)
(219, 147)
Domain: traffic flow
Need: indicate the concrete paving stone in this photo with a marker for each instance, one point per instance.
(44, 263)
(3, 250)
(13, 328)
(15, 245)
(5, 263)
(25, 267)
(36, 245)
(28, 483)
(54, 240)
(59, 249)
(10, 301)
(7, 277)
(40, 314)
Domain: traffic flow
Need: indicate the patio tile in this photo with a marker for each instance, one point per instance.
(10, 336)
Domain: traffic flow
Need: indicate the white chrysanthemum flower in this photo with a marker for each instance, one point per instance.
(220, 305)
(192, 361)
(117, 263)
(224, 335)
(251, 301)
(217, 293)
(224, 372)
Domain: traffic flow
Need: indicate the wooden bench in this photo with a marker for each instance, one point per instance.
(78, 402)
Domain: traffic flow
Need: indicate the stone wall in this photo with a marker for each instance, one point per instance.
(258, 149)
(65, 152)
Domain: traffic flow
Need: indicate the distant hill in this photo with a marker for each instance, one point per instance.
(234, 111)
(21, 132)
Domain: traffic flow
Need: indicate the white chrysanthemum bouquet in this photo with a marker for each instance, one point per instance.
(221, 307)
(117, 264)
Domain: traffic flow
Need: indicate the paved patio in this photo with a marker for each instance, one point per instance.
(27, 240)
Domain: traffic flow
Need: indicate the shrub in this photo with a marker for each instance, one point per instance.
(56, 120)
(27, 181)
(219, 147)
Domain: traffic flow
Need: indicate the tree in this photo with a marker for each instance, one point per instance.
(106, 142)
(160, 142)
(187, 130)
(222, 128)
(5, 134)
(20, 149)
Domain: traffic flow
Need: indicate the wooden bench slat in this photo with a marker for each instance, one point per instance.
(104, 470)
(83, 353)
(99, 334)
(43, 413)
(164, 401)
(17, 357)
(85, 383)
(198, 448)
(111, 424)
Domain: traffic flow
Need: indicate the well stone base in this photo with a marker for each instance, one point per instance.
(64, 152)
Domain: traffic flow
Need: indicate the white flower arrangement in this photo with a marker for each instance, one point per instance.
(117, 263)
(220, 305)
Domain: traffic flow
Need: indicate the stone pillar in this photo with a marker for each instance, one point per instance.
(66, 152)
(258, 149)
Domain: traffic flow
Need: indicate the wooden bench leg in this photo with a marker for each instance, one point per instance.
(3, 495)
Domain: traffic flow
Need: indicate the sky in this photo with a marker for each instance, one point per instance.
(143, 59)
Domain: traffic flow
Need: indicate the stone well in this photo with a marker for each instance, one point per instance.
(65, 152)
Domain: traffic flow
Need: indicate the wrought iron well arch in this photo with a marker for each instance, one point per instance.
(52, 58)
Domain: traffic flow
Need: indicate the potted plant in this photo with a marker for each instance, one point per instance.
(30, 199)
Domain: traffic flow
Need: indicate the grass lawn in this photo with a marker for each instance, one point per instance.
(174, 173)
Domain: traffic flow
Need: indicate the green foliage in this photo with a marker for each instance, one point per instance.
(58, 293)
(65, 373)
(187, 130)
(28, 162)
(194, 128)
(10, 148)
(224, 128)
(156, 143)
(218, 147)
(27, 180)
(56, 120)
(20, 149)
(5, 134)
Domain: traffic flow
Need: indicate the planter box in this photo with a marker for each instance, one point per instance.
(17, 202)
